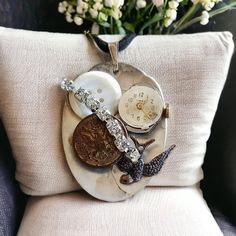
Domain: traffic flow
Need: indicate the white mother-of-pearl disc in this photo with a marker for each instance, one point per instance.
(102, 86)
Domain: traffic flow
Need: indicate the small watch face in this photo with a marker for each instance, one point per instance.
(141, 107)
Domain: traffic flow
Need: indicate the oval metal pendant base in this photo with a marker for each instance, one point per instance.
(104, 183)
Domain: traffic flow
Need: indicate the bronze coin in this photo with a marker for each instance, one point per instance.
(93, 144)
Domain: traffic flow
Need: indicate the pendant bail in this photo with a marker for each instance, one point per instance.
(113, 50)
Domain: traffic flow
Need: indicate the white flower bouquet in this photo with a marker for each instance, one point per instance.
(141, 16)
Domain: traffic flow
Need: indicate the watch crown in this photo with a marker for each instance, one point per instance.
(166, 111)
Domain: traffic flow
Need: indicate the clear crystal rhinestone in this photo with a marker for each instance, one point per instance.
(92, 103)
(114, 128)
(67, 85)
(118, 133)
(115, 131)
(122, 144)
(81, 94)
(133, 154)
(112, 123)
(103, 113)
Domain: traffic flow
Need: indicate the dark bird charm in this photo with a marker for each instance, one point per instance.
(135, 171)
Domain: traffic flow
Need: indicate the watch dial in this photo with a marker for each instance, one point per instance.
(141, 107)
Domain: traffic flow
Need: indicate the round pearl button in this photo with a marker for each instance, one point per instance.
(102, 86)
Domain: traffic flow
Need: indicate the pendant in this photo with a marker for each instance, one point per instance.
(113, 152)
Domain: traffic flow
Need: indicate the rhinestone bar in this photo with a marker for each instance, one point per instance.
(113, 126)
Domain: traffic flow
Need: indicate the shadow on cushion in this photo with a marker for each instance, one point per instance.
(12, 200)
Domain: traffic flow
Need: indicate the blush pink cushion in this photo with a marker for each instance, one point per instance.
(191, 70)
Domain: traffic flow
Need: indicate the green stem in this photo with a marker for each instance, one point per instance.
(165, 4)
(112, 25)
(72, 2)
(192, 10)
(130, 7)
(211, 14)
(146, 9)
(154, 19)
(151, 9)
(186, 25)
(222, 9)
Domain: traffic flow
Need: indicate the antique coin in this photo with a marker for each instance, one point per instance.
(93, 143)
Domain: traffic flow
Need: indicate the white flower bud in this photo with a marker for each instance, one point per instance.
(167, 22)
(93, 13)
(114, 3)
(61, 8)
(204, 21)
(116, 13)
(78, 20)
(79, 9)
(141, 4)
(65, 4)
(212, 4)
(68, 17)
(208, 5)
(118, 3)
(171, 13)
(173, 4)
(108, 3)
(85, 6)
(102, 17)
(70, 9)
(97, 6)
(158, 3)
(204, 18)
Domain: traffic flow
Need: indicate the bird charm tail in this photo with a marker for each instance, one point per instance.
(155, 165)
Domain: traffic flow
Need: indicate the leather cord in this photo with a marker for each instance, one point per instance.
(103, 46)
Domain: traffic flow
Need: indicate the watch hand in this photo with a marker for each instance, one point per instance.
(143, 101)
(142, 108)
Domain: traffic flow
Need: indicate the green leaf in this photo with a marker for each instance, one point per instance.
(106, 11)
(73, 2)
(105, 24)
(121, 30)
(131, 4)
(185, 2)
(157, 17)
(129, 26)
(118, 23)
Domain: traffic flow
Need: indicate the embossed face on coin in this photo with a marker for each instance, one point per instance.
(93, 143)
